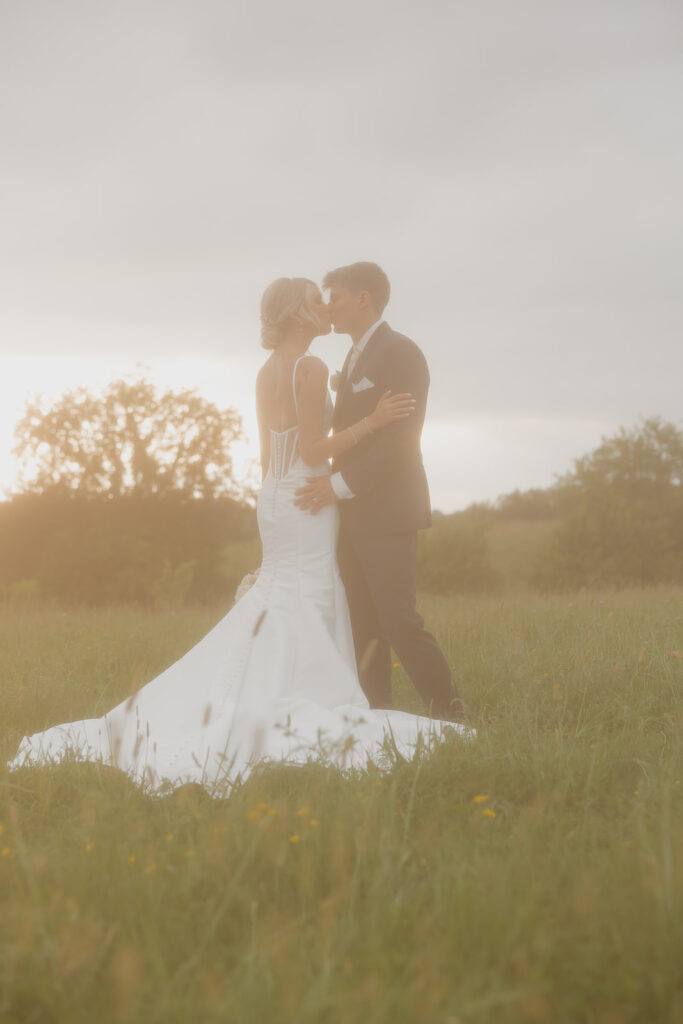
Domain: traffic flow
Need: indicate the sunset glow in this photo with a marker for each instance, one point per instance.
(531, 232)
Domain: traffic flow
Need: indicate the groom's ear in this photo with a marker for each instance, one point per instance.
(365, 302)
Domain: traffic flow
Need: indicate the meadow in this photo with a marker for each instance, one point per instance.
(533, 875)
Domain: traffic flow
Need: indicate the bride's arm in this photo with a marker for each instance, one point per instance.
(314, 445)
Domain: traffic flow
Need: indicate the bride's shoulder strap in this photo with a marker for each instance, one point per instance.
(296, 364)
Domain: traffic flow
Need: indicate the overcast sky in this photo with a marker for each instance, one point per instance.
(516, 169)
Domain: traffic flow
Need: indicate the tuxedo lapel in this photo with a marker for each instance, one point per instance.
(343, 384)
(345, 369)
(357, 373)
(345, 391)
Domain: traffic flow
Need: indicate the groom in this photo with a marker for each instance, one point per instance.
(384, 500)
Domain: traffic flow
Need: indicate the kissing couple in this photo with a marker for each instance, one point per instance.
(300, 668)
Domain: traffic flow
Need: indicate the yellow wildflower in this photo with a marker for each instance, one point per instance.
(131, 858)
(395, 664)
(272, 810)
(261, 806)
(169, 837)
(313, 822)
(254, 815)
(302, 812)
(189, 853)
(150, 868)
(89, 847)
(294, 838)
(5, 852)
(481, 799)
(488, 813)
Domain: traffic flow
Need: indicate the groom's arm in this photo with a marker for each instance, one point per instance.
(384, 454)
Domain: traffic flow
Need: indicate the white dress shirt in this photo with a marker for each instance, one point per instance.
(339, 484)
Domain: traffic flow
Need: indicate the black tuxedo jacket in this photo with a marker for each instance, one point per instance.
(385, 470)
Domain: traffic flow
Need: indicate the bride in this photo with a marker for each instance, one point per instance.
(276, 679)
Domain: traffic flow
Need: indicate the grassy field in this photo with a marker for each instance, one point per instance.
(532, 875)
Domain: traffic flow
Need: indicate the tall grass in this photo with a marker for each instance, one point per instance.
(533, 875)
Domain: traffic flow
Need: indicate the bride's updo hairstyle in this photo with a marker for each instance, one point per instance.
(283, 299)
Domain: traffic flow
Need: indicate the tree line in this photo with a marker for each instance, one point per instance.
(129, 496)
(616, 519)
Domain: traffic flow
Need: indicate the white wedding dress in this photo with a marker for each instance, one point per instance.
(274, 681)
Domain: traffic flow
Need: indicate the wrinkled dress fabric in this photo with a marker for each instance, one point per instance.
(274, 681)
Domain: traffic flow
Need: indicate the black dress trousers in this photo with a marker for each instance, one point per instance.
(378, 571)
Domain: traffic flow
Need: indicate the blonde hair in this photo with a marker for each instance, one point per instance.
(284, 298)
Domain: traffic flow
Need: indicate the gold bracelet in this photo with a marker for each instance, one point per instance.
(365, 421)
(350, 430)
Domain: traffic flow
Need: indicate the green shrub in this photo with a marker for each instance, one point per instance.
(23, 592)
(454, 556)
(99, 551)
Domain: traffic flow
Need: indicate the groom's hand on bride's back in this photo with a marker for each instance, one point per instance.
(317, 493)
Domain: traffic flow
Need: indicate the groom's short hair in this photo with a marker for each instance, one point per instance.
(362, 277)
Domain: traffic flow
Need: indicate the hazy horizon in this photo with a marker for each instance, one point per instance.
(516, 171)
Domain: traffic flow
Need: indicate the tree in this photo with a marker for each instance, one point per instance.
(522, 506)
(94, 550)
(621, 512)
(636, 462)
(131, 439)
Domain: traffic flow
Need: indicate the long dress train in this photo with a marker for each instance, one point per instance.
(275, 680)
